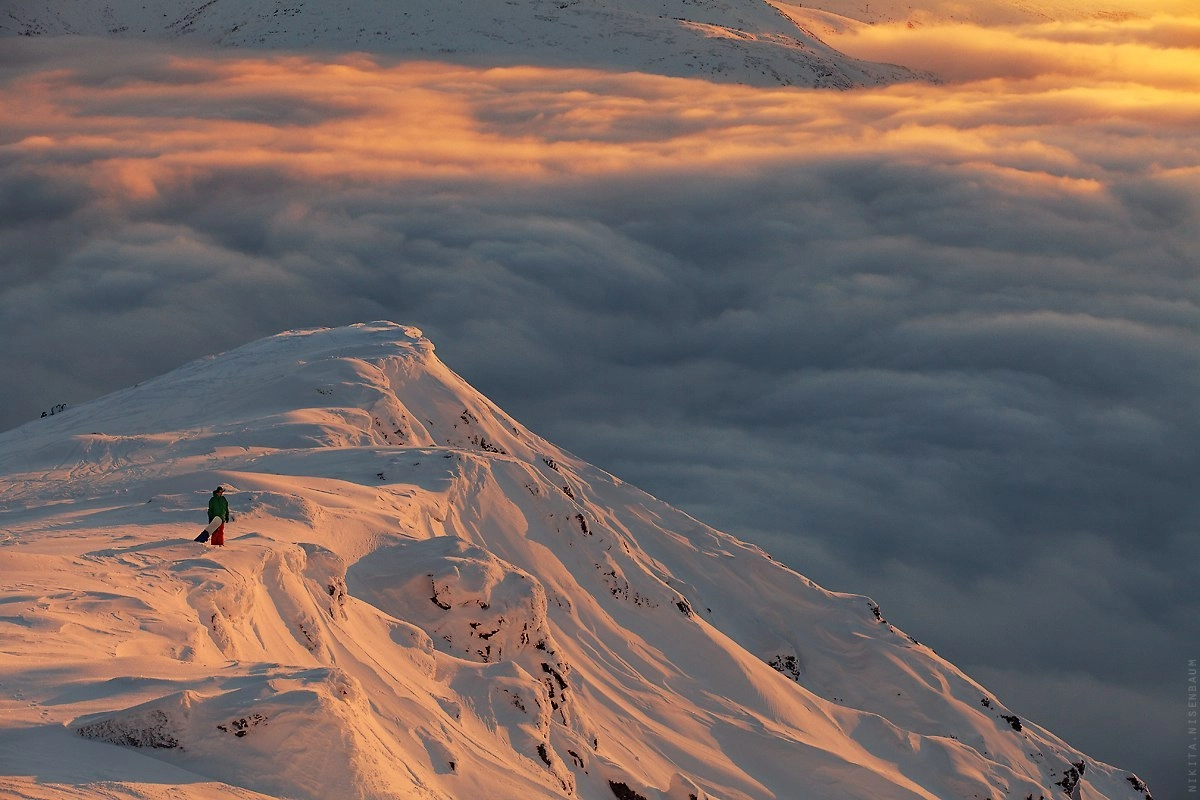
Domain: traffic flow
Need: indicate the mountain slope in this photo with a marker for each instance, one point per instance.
(744, 41)
(421, 598)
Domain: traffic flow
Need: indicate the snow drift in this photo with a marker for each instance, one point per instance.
(420, 598)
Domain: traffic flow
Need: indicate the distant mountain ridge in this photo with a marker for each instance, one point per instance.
(422, 598)
(741, 41)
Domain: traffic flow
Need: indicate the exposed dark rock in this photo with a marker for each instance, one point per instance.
(437, 601)
(787, 664)
(1139, 786)
(1072, 777)
(483, 444)
(154, 730)
(558, 678)
(240, 727)
(623, 792)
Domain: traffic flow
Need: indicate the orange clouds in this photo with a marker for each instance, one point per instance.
(1053, 110)
(1159, 51)
(166, 118)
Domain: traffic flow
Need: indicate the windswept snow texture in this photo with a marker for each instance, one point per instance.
(419, 598)
(740, 41)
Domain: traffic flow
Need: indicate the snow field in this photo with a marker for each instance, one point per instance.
(422, 599)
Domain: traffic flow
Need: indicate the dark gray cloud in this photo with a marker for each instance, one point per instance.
(939, 345)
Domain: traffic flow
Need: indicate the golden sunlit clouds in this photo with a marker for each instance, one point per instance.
(164, 118)
(1161, 51)
(1033, 116)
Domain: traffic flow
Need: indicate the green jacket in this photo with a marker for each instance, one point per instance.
(218, 506)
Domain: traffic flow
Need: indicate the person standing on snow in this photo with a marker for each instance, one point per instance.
(218, 506)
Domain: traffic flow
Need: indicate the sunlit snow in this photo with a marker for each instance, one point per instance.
(419, 598)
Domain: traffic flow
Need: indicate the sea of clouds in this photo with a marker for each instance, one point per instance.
(939, 344)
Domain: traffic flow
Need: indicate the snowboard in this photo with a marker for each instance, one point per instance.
(213, 524)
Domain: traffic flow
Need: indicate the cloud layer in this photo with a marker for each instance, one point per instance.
(938, 344)
(1156, 50)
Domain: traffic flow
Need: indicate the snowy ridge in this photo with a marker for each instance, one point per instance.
(421, 598)
(741, 41)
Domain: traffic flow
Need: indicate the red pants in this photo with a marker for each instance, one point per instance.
(218, 536)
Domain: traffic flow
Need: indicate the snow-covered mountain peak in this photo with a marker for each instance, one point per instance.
(300, 389)
(421, 598)
(741, 41)
(265, 376)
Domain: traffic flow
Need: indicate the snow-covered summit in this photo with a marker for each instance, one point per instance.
(741, 41)
(421, 598)
(322, 387)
